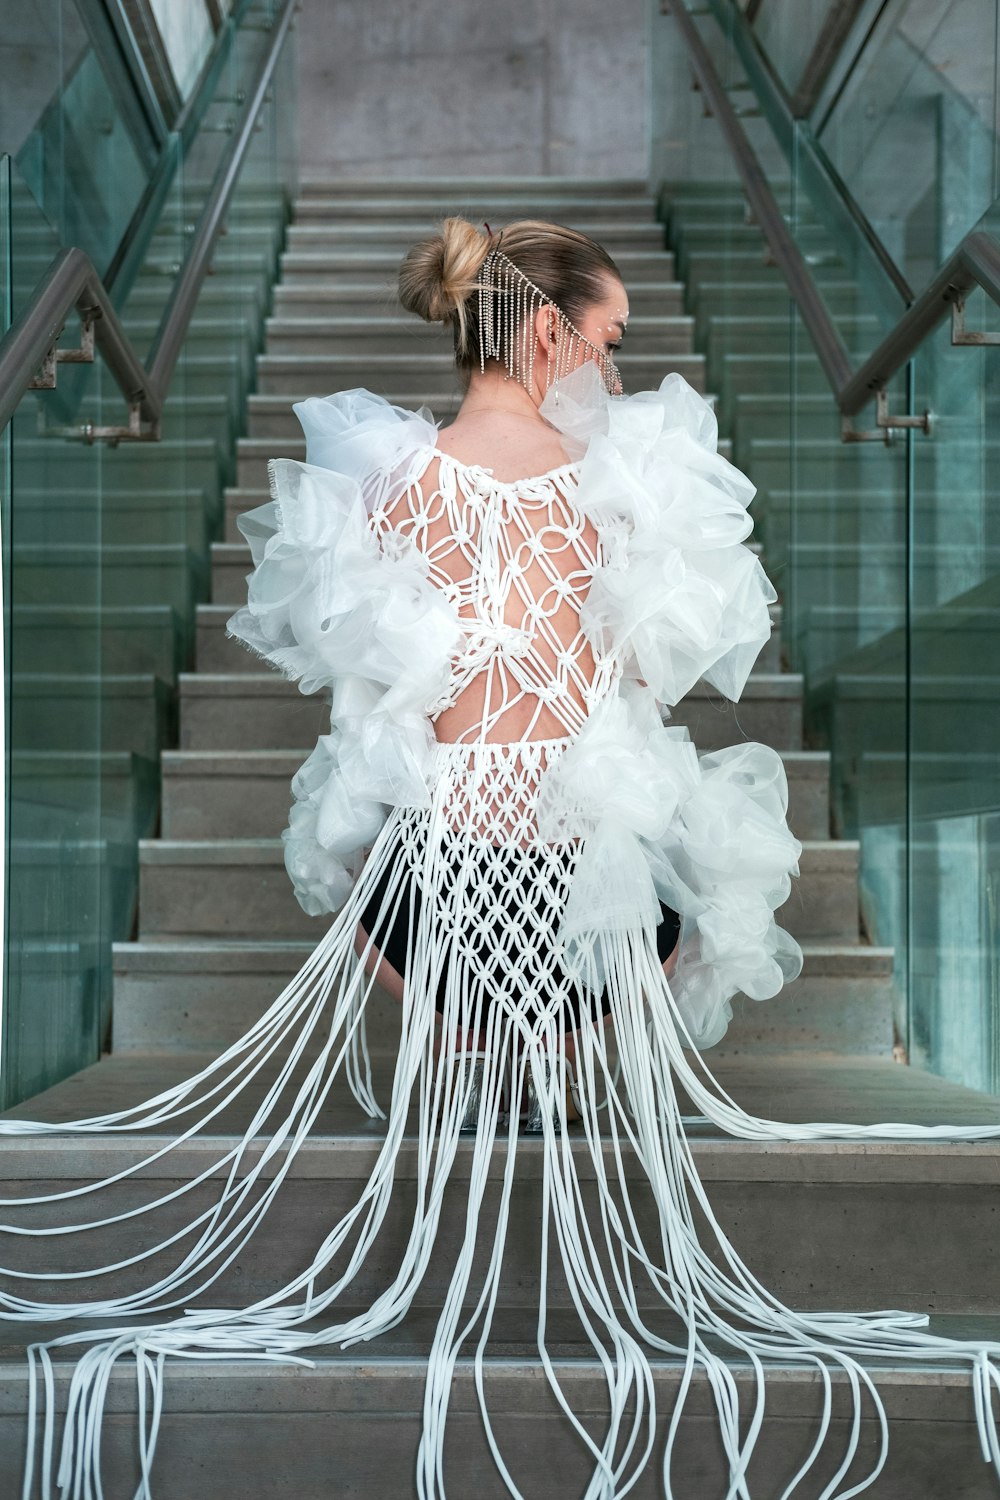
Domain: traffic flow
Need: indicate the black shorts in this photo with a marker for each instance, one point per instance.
(392, 938)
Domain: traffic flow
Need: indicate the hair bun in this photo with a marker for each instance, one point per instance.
(438, 274)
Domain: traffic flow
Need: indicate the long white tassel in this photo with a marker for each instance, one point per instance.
(631, 1135)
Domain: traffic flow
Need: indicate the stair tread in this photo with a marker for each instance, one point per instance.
(400, 1354)
(792, 1087)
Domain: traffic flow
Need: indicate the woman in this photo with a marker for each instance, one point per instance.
(510, 840)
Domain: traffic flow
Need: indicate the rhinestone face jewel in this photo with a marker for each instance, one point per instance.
(508, 302)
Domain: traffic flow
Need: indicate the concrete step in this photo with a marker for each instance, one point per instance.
(736, 265)
(129, 711)
(252, 236)
(65, 783)
(499, 208)
(330, 266)
(540, 188)
(838, 467)
(709, 300)
(680, 192)
(245, 793)
(263, 1430)
(213, 299)
(212, 328)
(812, 1219)
(698, 232)
(180, 994)
(823, 517)
(263, 711)
(127, 517)
(725, 210)
(316, 333)
(196, 463)
(771, 374)
(297, 376)
(366, 299)
(754, 415)
(867, 712)
(217, 376)
(245, 264)
(65, 637)
(881, 565)
(239, 888)
(53, 866)
(52, 573)
(763, 332)
(713, 257)
(634, 233)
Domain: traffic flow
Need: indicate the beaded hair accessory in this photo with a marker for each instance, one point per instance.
(508, 302)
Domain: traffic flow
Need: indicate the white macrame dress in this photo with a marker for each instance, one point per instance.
(500, 658)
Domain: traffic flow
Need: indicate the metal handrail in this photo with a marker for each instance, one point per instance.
(823, 183)
(72, 281)
(124, 266)
(976, 262)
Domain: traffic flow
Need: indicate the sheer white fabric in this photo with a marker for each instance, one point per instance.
(499, 658)
(438, 603)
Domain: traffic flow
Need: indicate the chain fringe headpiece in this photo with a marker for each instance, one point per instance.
(508, 302)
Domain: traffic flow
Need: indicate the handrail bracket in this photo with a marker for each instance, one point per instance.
(79, 354)
(885, 424)
(960, 334)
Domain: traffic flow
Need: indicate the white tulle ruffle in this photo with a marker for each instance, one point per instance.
(332, 608)
(706, 834)
(680, 597)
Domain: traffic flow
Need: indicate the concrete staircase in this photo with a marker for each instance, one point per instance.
(823, 1225)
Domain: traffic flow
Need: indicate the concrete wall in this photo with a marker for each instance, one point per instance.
(459, 86)
(40, 47)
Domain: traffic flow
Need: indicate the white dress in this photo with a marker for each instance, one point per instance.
(500, 658)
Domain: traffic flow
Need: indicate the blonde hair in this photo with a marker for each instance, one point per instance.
(437, 279)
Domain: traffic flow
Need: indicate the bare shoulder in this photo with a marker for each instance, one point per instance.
(511, 452)
(419, 487)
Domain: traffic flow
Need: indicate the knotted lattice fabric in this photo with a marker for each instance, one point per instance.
(436, 602)
(498, 779)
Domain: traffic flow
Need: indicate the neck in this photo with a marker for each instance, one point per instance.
(490, 391)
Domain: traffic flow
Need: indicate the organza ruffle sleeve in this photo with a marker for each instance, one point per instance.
(706, 834)
(323, 599)
(679, 597)
(331, 607)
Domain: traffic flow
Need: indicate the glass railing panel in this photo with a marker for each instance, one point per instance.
(837, 244)
(60, 873)
(70, 117)
(830, 517)
(51, 41)
(82, 164)
(845, 570)
(107, 597)
(187, 35)
(6, 497)
(883, 552)
(226, 333)
(954, 806)
(788, 30)
(914, 130)
(232, 85)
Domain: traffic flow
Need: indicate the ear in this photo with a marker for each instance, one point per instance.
(546, 320)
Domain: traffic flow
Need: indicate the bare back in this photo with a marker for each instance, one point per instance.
(516, 558)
